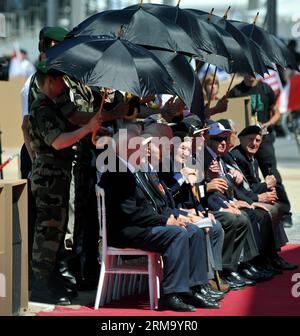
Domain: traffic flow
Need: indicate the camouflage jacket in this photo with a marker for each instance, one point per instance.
(46, 123)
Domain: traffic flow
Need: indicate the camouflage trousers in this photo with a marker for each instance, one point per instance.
(51, 188)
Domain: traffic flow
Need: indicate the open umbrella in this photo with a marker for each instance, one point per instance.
(204, 35)
(275, 49)
(138, 26)
(214, 45)
(111, 63)
(186, 82)
(253, 56)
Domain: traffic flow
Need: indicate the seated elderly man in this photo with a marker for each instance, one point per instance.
(169, 173)
(244, 155)
(137, 219)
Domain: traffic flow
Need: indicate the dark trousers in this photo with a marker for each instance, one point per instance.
(183, 252)
(267, 160)
(26, 167)
(253, 243)
(85, 263)
(268, 247)
(216, 236)
(235, 228)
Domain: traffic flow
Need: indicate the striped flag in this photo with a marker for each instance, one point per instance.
(290, 96)
(273, 80)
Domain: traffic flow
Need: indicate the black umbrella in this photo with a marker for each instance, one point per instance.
(186, 82)
(275, 49)
(111, 63)
(253, 56)
(138, 26)
(214, 45)
(204, 35)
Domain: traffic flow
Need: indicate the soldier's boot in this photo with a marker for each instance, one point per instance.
(67, 278)
(49, 292)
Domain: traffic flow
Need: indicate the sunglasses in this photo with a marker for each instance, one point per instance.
(219, 139)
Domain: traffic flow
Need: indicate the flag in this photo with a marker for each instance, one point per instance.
(294, 93)
(273, 80)
(290, 96)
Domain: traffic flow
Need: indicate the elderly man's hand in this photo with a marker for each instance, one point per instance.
(217, 184)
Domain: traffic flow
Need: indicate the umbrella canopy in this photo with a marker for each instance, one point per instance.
(204, 35)
(275, 49)
(138, 26)
(186, 82)
(111, 63)
(214, 44)
(253, 56)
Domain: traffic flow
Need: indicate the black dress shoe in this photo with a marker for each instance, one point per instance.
(250, 273)
(174, 302)
(266, 273)
(199, 301)
(239, 277)
(234, 281)
(210, 294)
(272, 268)
(263, 273)
(280, 263)
(213, 292)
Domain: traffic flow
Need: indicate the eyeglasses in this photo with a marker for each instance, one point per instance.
(219, 139)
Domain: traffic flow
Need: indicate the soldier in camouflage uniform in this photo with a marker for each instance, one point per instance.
(51, 137)
(48, 37)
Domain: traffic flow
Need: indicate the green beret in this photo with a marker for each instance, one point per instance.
(56, 33)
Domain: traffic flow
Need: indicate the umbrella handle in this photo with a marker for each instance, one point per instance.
(206, 73)
(226, 13)
(103, 95)
(255, 19)
(210, 14)
(232, 79)
(212, 87)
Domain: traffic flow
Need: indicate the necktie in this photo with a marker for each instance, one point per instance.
(253, 168)
(195, 192)
(155, 179)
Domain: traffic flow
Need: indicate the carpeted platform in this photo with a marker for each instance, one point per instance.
(272, 298)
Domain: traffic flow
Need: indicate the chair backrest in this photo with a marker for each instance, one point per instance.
(100, 193)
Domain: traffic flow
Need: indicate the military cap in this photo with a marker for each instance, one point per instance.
(50, 34)
(253, 129)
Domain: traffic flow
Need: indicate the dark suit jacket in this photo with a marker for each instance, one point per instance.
(216, 200)
(250, 172)
(182, 194)
(242, 192)
(131, 208)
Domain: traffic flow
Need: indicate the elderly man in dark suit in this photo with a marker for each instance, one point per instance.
(137, 218)
(244, 155)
